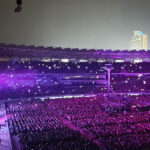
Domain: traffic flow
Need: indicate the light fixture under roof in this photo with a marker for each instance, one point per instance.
(18, 8)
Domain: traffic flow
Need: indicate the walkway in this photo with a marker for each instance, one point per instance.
(5, 143)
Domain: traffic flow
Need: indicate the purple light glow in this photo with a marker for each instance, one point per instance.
(17, 80)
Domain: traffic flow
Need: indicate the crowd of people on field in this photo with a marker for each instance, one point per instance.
(117, 130)
(38, 128)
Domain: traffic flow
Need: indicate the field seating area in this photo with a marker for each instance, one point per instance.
(120, 130)
(38, 122)
(39, 128)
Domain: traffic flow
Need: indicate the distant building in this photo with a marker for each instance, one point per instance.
(139, 41)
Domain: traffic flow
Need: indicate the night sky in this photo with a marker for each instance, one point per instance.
(107, 24)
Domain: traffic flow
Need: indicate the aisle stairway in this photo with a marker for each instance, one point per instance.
(5, 142)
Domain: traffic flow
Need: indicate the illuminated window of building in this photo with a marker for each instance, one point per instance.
(55, 59)
(101, 60)
(83, 60)
(138, 60)
(65, 60)
(46, 60)
(119, 60)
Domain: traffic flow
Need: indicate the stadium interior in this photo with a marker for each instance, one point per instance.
(74, 99)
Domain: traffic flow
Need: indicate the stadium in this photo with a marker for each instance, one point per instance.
(78, 99)
(74, 75)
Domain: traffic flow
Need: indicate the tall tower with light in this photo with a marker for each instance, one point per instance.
(139, 41)
(108, 68)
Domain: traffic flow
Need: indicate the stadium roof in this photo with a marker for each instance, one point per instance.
(11, 51)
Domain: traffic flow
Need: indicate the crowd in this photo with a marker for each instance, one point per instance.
(38, 128)
(40, 86)
(57, 66)
(130, 84)
(121, 130)
(118, 122)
